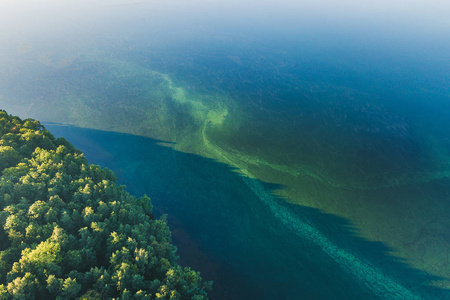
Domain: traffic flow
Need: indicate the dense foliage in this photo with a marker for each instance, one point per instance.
(69, 231)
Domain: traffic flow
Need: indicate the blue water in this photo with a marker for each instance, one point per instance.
(225, 229)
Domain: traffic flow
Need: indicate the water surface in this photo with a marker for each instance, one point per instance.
(225, 228)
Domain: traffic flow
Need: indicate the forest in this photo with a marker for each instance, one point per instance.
(69, 231)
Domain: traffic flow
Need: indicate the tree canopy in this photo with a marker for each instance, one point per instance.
(69, 231)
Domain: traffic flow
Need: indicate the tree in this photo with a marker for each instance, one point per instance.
(68, 230)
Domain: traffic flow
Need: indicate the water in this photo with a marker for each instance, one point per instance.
(300, 149)
(237, 233)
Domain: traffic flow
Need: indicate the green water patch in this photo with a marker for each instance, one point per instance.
(245, 238)
(103, 93)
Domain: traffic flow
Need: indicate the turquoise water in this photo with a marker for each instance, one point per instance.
(301, 150)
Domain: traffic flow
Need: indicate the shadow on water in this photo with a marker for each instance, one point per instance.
(225, 229)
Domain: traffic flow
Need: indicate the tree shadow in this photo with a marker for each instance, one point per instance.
(251, 243)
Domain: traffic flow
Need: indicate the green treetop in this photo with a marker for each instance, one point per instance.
(68, 231)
